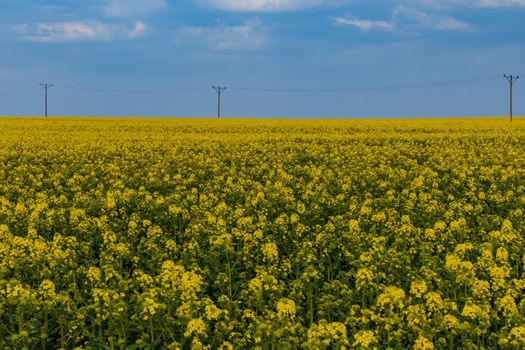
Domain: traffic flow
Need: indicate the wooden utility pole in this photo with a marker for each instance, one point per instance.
(220, 90)
(511, 79)
(46, 86)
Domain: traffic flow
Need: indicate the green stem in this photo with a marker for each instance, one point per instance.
(45, 329)
(152, 335)
(123, 333)
(62, 337)
(311, 304)
(229, 279)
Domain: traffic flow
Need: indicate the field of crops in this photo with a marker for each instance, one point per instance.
(239, 234)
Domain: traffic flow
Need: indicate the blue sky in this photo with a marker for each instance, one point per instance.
(161, 57)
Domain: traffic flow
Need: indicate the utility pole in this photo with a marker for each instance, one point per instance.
(220, 90)
(511, 79)
(46, 86)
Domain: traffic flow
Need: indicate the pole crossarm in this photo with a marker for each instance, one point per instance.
(511, 78)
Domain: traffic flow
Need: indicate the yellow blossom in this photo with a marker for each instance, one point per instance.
(285, 308)
(364, 278)
(391, 297)
(423, 343)
(195, 327)
(270, 252)
(418, 288)
(364, 339)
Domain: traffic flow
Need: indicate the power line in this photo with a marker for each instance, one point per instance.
(383, 87)
(120, 91)
(220, 89)
(511, 79)
(272, 89)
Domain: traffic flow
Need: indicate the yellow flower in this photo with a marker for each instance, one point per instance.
(195, 327)
(462, 248)
(154, 231)
(364, 339)
(423, 343)
(249, 314)
(416, 317)
(110, 201)
(430, 234)
(255, 285)
(474, 312)
(196, 344)
(449, 322)
(171, 245)
(440, 226)
(285, 308)
(212, 311)
(452, 262)
(324, 334)
(502, 255)
(516, 337)
(101, 296)
(498, 276)
(174, 210)
(175, 278)
(149, 308)
(363, 278)
(270, 252)
(47, 289)
(391, 297)
(353, 226)
(17, 294)
(434, 302)
(480, 289)
(365, 257)
(418, 288)
(507, 306)
(226, 345)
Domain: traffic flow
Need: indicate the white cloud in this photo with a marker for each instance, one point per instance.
(364, 24)
(501, 3)
(127, 8)
(410, 16)
(138, 29)
(471, 3)
(406, 19)
(77, 31)
(414, 18)
(268, 5)
(248, 36)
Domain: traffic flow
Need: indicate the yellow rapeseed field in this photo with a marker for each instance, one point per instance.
(262, 234)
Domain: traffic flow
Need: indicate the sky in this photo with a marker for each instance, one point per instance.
(277, 58)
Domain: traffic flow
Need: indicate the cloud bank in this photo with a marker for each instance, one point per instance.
(81, 31)
(405, 18)
(267, 5)
(363, 24)
(250, 35)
